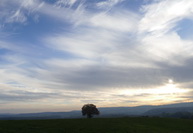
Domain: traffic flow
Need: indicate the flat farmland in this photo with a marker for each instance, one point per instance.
(99, 125)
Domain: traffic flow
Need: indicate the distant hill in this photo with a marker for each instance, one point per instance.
(146, 110)
(124, 111)
(162, 111)
(43, 115)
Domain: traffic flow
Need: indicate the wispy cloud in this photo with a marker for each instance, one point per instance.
(18, 11)
(121, 21)
(64, 3)
(108, 4)
(162, 16)
(17, 16)
(174, 51)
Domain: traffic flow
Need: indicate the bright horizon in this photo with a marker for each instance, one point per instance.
(57, 55)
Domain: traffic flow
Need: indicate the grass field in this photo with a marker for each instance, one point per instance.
(98, 125)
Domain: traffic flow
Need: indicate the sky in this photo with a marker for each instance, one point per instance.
(57, 55)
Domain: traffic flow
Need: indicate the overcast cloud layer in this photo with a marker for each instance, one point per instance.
(58, 55)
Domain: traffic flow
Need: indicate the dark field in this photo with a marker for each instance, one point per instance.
(98, 125)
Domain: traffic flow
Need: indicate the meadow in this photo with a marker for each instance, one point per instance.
(99, 125)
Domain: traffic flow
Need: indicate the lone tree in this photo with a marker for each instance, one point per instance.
(90, 110)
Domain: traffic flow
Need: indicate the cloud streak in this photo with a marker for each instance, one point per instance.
(162, 16)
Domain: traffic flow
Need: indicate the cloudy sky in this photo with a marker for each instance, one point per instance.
(56, 55)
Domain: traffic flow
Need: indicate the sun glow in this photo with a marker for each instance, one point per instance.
(169, 89)
(166, 94)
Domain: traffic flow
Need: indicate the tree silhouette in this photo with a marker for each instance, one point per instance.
(90, 110)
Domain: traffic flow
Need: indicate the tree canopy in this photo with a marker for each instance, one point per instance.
(89, 110)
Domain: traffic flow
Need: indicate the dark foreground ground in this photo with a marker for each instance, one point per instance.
(98, 125)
